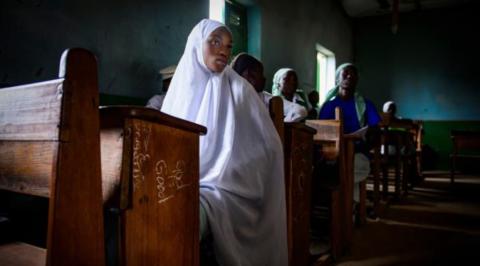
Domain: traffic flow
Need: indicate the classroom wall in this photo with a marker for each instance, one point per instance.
(132, 40)
(429, 68)
(290, 30)
(438, 144)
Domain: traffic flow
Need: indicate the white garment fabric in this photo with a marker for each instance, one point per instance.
(361, 166)
(386, 106)
(292, 112)
(156, 102)
(241, 158)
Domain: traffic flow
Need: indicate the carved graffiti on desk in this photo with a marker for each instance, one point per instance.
(141, 139)
(168, 183)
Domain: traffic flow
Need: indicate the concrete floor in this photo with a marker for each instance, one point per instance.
(435, 224)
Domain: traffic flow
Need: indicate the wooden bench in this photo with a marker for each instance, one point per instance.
(50, 147)
(399, 134)
(417, 132)
(298, 150)
(375, 165)
(338, 148)
(466, 145)
(329, 142)
(150, 167)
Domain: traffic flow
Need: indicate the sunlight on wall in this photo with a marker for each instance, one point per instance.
(325, 71)
(217, 10)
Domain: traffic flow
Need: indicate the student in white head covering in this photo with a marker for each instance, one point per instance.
(251, 69)
(242, 187)
(285, 85)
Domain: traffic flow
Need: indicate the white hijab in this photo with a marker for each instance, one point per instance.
(241, 158)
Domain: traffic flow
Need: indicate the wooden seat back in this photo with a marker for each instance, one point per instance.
(298, 149)
(400, 134)
(465, 141)
(329, 135)
(151, 167)
(329, 142)
(465, 145)
(276, 113)
(50, 147)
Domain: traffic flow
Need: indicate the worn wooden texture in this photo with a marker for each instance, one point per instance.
(111, 141)
(298, 148)
(114, 117)
(27, 166)
(150, 166)
(332, 146)
(297, 141)
(346, 189)
(76, 211)
(64, 151)
(400, 134)
(376, 182)
(31, 112)
(327, 137)
(276, 113)
(160, 225)
(466, 144)
(337, 245)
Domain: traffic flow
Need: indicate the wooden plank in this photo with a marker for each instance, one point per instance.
(326, 129)
(298, 179)
(275, 107)
(346, 189)
(75, 226)
(31, 112)
(327, 137)
(114, 117)
(27, 167)
(161, 224)
(111, 141)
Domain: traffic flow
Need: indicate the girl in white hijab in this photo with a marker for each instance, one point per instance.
(242, 187)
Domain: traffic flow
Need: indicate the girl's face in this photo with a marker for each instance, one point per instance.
(217, 49)
(289, 84)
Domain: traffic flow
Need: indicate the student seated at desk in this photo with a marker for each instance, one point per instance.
(242, 190)
(251, 69)
(285, 85)
(359, 114)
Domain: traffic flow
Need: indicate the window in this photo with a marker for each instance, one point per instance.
(217, 10)
(236, 21)
(246, 36)
(325, 71)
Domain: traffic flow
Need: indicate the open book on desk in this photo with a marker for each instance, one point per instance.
(360, 133)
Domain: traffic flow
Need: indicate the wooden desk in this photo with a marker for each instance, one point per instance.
(466, 145)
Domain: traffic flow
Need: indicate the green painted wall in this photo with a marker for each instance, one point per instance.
(254, 31)
(429, 68)
(437, 137)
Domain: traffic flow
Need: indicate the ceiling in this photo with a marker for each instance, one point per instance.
(362, 8)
